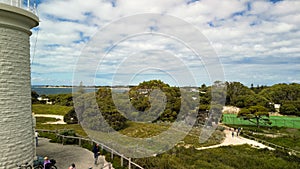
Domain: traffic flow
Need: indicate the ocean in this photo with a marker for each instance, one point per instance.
(41, 90)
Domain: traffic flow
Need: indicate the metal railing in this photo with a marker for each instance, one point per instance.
(29, 5)
(103, 147)
(114, 152)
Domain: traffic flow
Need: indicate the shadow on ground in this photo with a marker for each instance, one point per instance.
(65, 155)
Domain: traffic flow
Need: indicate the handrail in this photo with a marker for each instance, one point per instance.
(107, 165)
(29, 5)
(119, 154)
(103, 146)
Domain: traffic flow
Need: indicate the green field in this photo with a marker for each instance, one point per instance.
(279, 121)
(45, 119)
(50, 109)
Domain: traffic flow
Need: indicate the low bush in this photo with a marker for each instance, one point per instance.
(238, 157)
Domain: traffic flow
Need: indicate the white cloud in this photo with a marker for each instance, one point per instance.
(266, 30)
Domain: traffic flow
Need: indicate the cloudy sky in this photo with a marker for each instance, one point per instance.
(182, 42)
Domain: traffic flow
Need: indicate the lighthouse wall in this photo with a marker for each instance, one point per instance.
(16, 125)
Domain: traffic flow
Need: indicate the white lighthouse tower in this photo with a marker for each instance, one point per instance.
(16, 134)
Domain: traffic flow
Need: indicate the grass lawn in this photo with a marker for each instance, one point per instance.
(76, 127)
(138, 130)
(45, 119)
(146, 130)
(50, 109)
(154, 143)
(279, 121)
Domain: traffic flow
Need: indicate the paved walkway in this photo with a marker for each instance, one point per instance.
(229, 140)
(65, 155)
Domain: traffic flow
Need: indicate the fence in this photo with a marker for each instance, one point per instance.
(29, 5)
(247, 134)
(289, 150)
(279, 121)
(64, 139)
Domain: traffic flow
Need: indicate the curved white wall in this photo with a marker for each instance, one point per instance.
(16, 130)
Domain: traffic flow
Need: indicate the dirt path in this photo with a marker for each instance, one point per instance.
(65, 155)
(236, 140)
(60, 118)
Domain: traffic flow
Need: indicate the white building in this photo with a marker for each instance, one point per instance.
(45, 99)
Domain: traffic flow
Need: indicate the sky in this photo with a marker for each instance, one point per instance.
(181, 42)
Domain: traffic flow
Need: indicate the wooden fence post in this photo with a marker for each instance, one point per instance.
(121, 160)
(112, 154)
(79, 142)
(129, 163)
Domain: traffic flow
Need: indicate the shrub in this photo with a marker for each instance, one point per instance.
(68, 140)
(71, 117)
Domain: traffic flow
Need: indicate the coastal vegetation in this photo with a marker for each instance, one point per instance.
(117, 108)
(137, 121)
(228, 157)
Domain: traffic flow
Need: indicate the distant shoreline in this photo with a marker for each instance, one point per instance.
(85, 87)
(62, 87)
(59, 87)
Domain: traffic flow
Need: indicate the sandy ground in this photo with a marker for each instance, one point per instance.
(60, 118)
(236, 140)
(65, 155)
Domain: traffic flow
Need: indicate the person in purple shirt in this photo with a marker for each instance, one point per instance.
(46, 163)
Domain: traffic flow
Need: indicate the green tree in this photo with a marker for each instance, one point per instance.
(289, 109)
(34, 96)
(280, 93)
(99, 114)
(255, 114)
(234, 91)
(148, 106)
(246, 101)
(203, 113)
(61, 99)
(216, 110)
(71, 117)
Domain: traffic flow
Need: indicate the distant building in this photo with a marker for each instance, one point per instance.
(45, 99)
(230, 110)
(277, 107)
(194, 90)
(144, 91)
